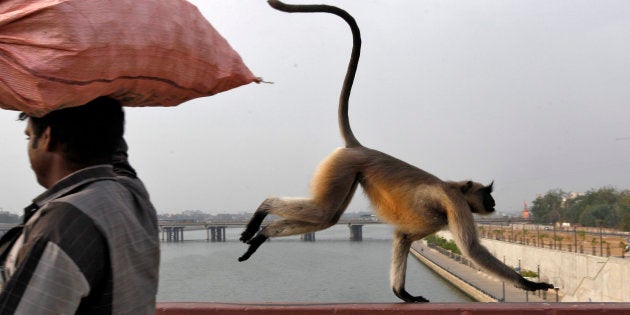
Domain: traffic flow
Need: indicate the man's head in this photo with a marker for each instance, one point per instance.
(83, 136)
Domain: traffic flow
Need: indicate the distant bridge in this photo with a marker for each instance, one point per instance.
(173, 231)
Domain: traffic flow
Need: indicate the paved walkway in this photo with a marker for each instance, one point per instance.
(479, 279)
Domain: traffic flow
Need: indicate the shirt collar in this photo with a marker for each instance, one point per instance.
(68, 184)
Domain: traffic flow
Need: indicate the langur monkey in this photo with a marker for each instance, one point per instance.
(414, 201)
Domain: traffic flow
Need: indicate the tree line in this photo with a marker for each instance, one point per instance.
(605, 207)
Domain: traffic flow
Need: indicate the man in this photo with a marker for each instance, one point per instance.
(89, 244)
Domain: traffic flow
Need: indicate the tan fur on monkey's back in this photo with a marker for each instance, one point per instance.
(391, 185)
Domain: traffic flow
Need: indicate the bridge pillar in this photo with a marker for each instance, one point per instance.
(181, 232)
(308, 237)
(175, 234)
(172, 233)
(356, 232)
(215, 233)
(221, 233)
(167, 230)
(169, 233)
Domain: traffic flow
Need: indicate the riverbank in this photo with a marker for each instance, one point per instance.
(579, 277)
(471, 280)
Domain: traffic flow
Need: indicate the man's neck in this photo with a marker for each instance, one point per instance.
(60, 170)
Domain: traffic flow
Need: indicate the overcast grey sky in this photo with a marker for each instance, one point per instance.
(531, 94)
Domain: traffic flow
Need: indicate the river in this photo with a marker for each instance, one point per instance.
(330, 270)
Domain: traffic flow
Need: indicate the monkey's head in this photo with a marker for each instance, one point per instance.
(478, 196)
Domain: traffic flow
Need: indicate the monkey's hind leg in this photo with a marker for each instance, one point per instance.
(255, 222)
(280, 228)
(253, 227)
(288, 208)
(312, 218)
(402, 244)
(332, 188)
(253, 246)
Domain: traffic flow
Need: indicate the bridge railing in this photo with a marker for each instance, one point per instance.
(393, 308)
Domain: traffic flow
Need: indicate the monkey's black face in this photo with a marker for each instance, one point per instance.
(487, 201)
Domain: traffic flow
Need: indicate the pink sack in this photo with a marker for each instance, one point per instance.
(63, 53)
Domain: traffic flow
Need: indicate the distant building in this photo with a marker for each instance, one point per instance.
(525, 214)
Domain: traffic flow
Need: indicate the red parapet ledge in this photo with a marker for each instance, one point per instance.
(181, 308)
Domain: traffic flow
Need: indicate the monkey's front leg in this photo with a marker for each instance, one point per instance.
(402, 244)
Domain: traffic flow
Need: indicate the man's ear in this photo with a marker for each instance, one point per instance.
(46, 140)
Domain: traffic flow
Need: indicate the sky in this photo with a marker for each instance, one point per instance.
(531, 94)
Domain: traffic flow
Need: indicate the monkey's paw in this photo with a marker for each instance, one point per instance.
(253, 246)
(247, 235)
(534, 286)
(405, 296)
(253, 225)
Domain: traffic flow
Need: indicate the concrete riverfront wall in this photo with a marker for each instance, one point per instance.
(471, 291)
(580, 277)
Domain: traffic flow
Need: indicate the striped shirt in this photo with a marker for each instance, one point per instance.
(89, 245)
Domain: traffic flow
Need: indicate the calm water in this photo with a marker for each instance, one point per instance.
(332, 269)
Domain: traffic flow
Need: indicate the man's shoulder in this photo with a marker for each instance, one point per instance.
(113, 204)
(98, 193)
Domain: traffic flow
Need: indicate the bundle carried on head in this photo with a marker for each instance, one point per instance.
(62, 53)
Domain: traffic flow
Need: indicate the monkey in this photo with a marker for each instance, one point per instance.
(414, 201)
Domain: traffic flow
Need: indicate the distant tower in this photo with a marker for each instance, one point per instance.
(525, 214)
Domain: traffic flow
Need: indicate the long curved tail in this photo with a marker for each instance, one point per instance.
(344, 121)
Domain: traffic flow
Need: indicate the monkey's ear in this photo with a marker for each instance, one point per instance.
(466, 187)
(489, 187)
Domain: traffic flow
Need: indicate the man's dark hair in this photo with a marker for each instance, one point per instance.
(87, 134)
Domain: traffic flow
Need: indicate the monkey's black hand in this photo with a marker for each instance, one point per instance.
(405, 296)
(533, 286)
(253, 246)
